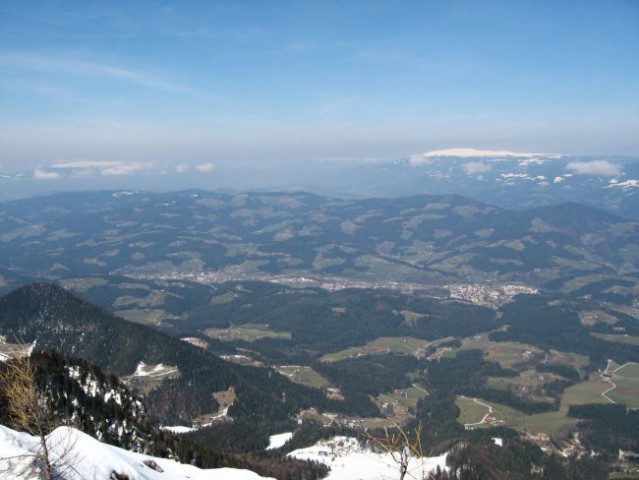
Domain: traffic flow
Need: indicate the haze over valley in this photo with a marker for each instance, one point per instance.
(299, 240)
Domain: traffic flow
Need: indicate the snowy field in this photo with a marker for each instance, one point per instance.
(349, 461)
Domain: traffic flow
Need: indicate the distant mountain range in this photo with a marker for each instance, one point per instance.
(511, 180)
(209, 237)
(352, 312)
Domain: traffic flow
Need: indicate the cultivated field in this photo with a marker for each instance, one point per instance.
(382, 345)
(629, 339)
(303, 375)
(472, 411)
(626, 379)
(247, 332)
(575, 360)
(506, 354)
(550, 423)
(145, 317)
(406, 397)
(83, 284)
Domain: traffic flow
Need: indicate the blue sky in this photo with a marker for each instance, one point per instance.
(135, 84)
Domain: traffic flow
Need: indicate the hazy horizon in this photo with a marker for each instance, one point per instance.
(110, 93)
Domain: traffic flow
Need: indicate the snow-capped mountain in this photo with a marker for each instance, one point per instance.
(513, 180)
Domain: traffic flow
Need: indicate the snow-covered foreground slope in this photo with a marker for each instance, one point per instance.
(85, 459)
(348, 460)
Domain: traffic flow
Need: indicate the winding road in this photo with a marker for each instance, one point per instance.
(483, 420)
(613, 385)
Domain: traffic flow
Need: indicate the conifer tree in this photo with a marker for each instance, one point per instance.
(26, 410)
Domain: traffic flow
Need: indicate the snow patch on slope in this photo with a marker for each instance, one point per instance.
(89, 458)
(159, 370)
(277, 441)
(348, 460)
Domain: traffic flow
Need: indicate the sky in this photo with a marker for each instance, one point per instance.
(117, 88)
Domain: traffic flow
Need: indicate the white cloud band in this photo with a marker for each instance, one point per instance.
(601, 168)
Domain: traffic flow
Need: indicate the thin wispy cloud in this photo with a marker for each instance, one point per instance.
(475, 168)
(40, 174)
(72, 66)
(197, 82)
(348, 159)
(205, 167)
(106, 168)
(601, 168)
(84, 164)
(125, 169)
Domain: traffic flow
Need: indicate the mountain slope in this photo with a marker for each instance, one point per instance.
(88, 458)
(58, 320)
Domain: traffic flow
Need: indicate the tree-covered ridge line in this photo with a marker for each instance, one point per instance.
(59, 320)
(79, 394)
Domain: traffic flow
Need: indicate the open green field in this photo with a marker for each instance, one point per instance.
(145, 317)
(588, 318)
(303, 375)
(247, 332)
(155, 298)
(405, 397)
(585, 392)
(549, 423)
(223, 298)
(527, 378)
(629, 339)
(378, 267)
(627, 391)
(83, 284)
(632, 311)
(575, 360)
(471, 411)
(580, 282)
(612, 365)
(506, 354)
(328, 419)
(405, 345)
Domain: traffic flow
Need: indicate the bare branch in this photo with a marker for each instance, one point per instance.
(27, 410)
(402, 448)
